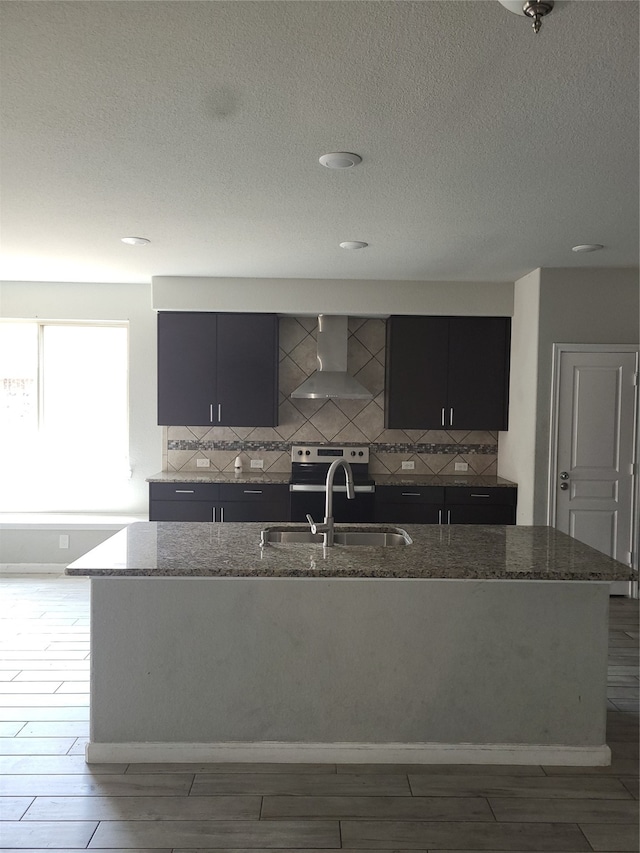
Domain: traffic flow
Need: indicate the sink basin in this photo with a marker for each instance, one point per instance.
(277, 536)
(384, 538)
(377, 538)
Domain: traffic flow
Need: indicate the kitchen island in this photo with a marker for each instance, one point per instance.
(471, 645)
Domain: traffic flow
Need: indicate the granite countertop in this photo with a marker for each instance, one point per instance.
(206, 476)
(475, 481)
(202, 549)
(403, 479)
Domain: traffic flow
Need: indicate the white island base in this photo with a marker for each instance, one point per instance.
(349, 670)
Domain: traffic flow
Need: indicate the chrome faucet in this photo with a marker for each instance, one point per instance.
(327, 527)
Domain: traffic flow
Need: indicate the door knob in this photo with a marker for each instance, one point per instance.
(564, 486)
(564, 475)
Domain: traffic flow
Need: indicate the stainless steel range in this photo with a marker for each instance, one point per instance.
(309, 466)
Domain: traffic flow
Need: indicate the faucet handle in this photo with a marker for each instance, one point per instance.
(312, 524)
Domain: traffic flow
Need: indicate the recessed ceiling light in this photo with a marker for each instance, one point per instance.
(588, 247)
(340, 160)
(135, 241)
(353, 244)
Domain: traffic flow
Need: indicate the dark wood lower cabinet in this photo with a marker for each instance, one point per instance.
(218, 502)
(445, 505)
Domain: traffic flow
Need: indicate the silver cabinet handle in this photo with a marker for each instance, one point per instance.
(448, 516)
(451, 416)
(219, 412)
(221, 513)
(480, 496)
(443, 416)
(439, 516)
(210, 413)
(252, 491)
(213, 513)
(410, 494)
(185, 491)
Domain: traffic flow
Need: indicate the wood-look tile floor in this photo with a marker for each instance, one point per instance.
(50, 799)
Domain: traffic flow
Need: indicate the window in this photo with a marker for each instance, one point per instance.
(63, 416)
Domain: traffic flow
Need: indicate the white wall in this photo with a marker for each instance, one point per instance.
(132, 302)
(516, 448)
(597, 306)
(341, 296)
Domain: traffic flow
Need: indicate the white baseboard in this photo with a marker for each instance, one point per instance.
(347, 753)
(32, 568)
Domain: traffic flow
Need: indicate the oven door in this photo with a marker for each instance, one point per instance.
(311, 499)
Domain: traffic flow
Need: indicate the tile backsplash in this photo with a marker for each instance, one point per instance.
(331, 421)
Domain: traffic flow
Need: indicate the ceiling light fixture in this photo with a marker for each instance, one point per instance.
(588, 247)
(353, 244)
(534, 9)
(135, 241)
(340, 160)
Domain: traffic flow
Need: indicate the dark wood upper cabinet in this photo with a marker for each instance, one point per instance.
(217, 369)
(447, 372)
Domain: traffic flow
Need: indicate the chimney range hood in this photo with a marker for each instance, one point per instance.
(331, 378)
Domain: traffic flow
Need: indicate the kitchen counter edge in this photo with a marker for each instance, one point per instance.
(473, 480)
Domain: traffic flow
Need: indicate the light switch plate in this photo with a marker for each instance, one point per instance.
(461, 466)
(203, 463)
(408, 466)
(257, 463)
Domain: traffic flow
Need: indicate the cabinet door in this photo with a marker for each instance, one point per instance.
(409, 504)
(254, 502)
(417, 513)
(253, 511)
(478, 373)
(460, 514)
(416, 372)
(247, 369)
(186, 368)
(181, 511)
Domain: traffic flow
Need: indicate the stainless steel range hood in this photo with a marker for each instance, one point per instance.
(331, 378)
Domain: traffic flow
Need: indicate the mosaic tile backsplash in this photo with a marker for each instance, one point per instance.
(331, 421)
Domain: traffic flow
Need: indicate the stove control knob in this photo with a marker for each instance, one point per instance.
(308, 453)
(299, 453)
(361, 453)
(353, 453)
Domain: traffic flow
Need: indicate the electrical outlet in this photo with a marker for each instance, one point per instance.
(63, 540)
(257, 463)
(461, 466)
(408, 466)
(203, 463)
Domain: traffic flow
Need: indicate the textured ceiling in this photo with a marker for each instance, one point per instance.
(487, 151)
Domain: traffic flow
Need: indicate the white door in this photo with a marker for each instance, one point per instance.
(593, 487)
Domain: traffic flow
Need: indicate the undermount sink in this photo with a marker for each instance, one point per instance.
(384, 538)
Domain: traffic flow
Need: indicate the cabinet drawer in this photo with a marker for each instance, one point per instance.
(254, 492)
(500, 496)
(410, 494)
(184, 491)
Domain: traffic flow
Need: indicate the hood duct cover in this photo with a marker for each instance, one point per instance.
(331, 378)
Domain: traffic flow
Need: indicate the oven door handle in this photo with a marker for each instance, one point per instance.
(308, 487)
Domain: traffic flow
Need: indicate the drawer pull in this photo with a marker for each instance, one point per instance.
(410, 494)
(439, 516)
(480, 496)
(252, 491)
(210, 413)
(185, 491)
